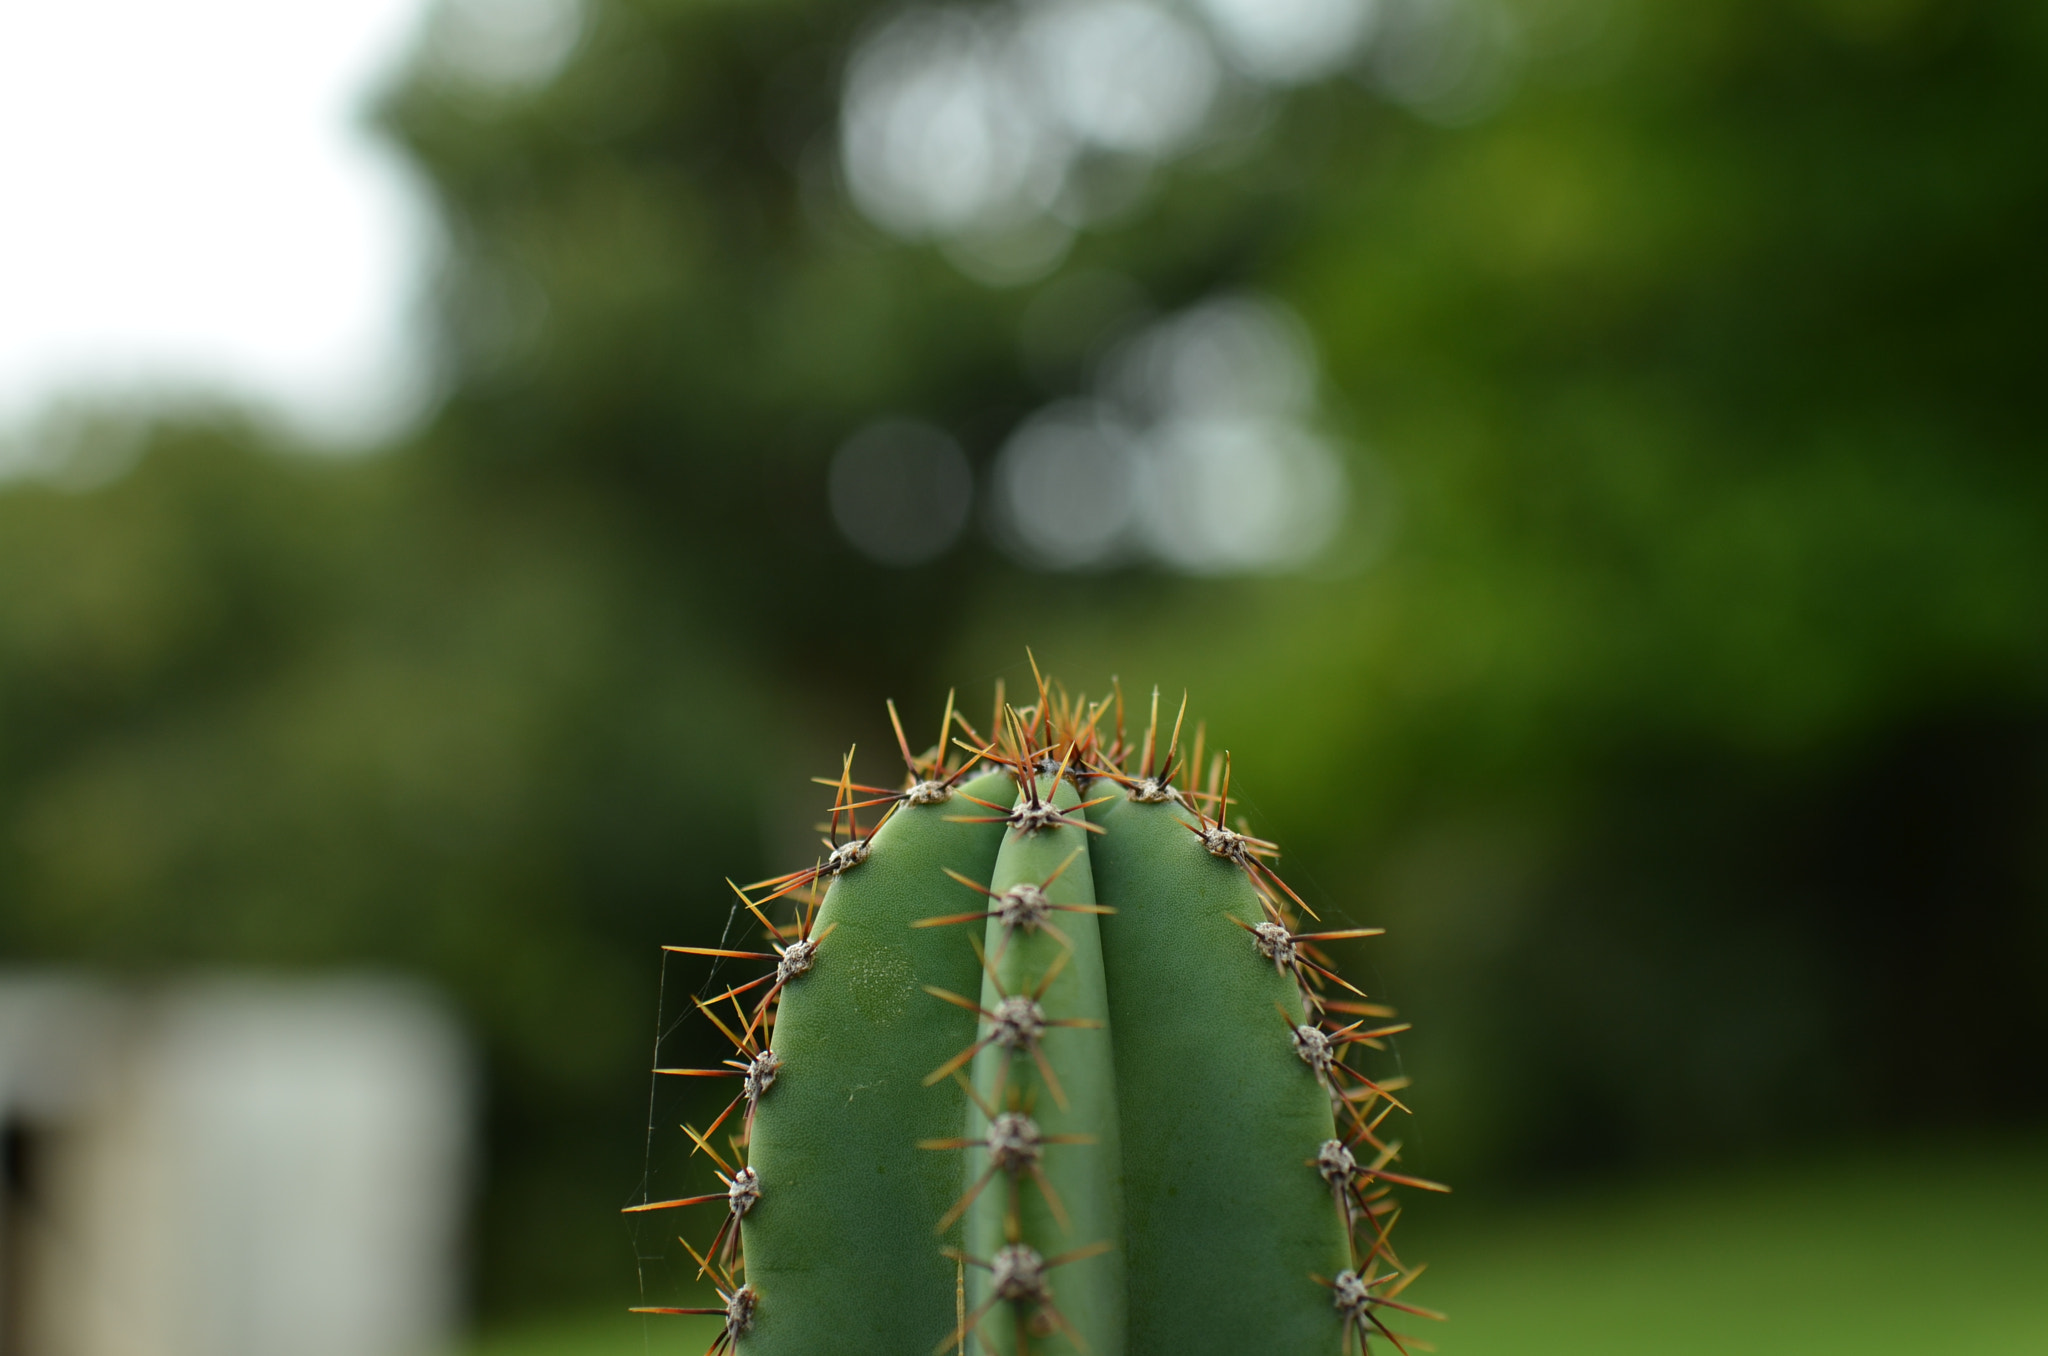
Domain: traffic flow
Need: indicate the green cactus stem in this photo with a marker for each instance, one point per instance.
(1045, 1063)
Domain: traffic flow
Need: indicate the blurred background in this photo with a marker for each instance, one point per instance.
(468, 462)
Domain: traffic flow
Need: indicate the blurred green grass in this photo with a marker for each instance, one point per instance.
(1941, 1250)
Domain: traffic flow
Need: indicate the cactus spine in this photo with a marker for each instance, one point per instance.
(1043, 1067)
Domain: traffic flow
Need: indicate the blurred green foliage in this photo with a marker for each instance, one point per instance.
(1687, 727)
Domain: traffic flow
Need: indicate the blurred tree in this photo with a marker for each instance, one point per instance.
(1687, 727)
(270, 711)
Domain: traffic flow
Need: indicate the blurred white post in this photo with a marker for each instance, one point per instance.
(230, 1168)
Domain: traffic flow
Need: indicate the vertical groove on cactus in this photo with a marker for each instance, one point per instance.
(1044, 1065)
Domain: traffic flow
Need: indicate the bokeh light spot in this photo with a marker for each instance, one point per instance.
(1201, 453)
(504, 44)
(1066, 487)
(1288, 42)
(1231, 496)
(1123, 75)
(900, 491)
(938, 131)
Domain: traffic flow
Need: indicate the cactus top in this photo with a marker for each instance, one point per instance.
(1044, 1065)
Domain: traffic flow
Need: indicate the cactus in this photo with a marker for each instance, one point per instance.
(1042, 1066)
